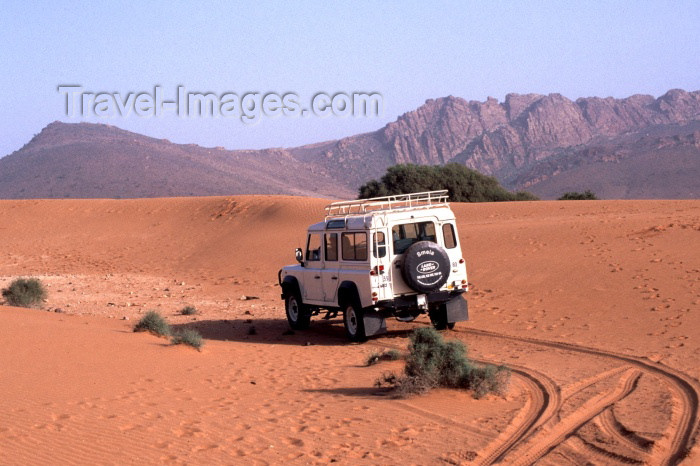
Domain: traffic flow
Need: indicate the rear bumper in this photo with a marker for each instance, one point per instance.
(410, 301)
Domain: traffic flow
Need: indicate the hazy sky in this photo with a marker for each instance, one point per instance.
(408, 52)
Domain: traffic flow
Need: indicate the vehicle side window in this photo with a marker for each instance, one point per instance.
(379, 246)
(332, 246)
(406, 234)
(313, 247)
(354, 246)
(448, 233)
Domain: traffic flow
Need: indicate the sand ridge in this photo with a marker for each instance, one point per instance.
(593, 304)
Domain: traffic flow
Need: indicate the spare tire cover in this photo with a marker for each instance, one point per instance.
(425, 267)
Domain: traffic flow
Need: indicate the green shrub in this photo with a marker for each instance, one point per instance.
(525, 196)
(154, 323)
(188, 310)
(587, 195)
(25, 292)
(188, 337)
(462, 184)
(488, 379)
(433, 362)
(376, 356)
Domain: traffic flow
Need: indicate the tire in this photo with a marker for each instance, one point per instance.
(425, 267)
(354, 322)
(298, 316)
(438, 318)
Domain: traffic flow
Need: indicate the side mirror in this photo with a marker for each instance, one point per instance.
(299, 254)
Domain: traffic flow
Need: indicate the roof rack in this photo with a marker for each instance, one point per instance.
(386, 203)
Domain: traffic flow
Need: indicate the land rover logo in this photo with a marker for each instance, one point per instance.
(427, 266)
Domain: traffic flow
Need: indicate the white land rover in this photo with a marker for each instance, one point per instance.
(375, 258)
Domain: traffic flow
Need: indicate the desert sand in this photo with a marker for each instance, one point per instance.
(594, 305)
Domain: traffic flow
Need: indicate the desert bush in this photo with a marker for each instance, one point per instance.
(154, 323)
(433, 362)
(587, 195)
(376, 356)
(489, 379)
(188, 337)
(188, 310)
(462, 184)
(524, 196)
(25, 292)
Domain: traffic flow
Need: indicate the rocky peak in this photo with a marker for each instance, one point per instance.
(440, 129)
(678, 105)
(58, 133)
(551, 121)
(516, 104)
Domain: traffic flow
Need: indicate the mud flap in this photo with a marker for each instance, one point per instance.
(457, 309)
(374, 324)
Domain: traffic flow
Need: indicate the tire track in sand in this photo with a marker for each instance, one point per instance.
(545, 402)
(611, 426)
(546, 440)
(525, 429)
(685, 388)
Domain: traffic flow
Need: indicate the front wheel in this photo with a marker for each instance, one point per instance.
(297, 315)
(353, 318)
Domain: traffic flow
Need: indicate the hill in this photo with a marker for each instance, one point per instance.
(87, 160)
(637, 147)
(530, 141)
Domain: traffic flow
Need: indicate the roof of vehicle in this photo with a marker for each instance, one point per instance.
(320, 226)
(395, 202)
(380, 211)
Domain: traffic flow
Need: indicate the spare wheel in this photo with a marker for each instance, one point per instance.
(426, 266)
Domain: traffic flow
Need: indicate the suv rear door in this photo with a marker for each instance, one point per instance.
(329, 277)
(404, 234)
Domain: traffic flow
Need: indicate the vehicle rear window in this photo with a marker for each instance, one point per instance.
(354, 246)
(379, 246)
(406, 234)
(448, 233)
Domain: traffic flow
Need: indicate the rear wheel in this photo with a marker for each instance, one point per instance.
(438, 317)
(353, 318)
(298, 315)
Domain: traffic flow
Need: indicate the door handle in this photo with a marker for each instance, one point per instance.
(334, 278)
(317, 276)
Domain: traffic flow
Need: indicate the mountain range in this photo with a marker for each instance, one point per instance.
(636, 147)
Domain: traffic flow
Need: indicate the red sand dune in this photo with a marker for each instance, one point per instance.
(594, 305)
